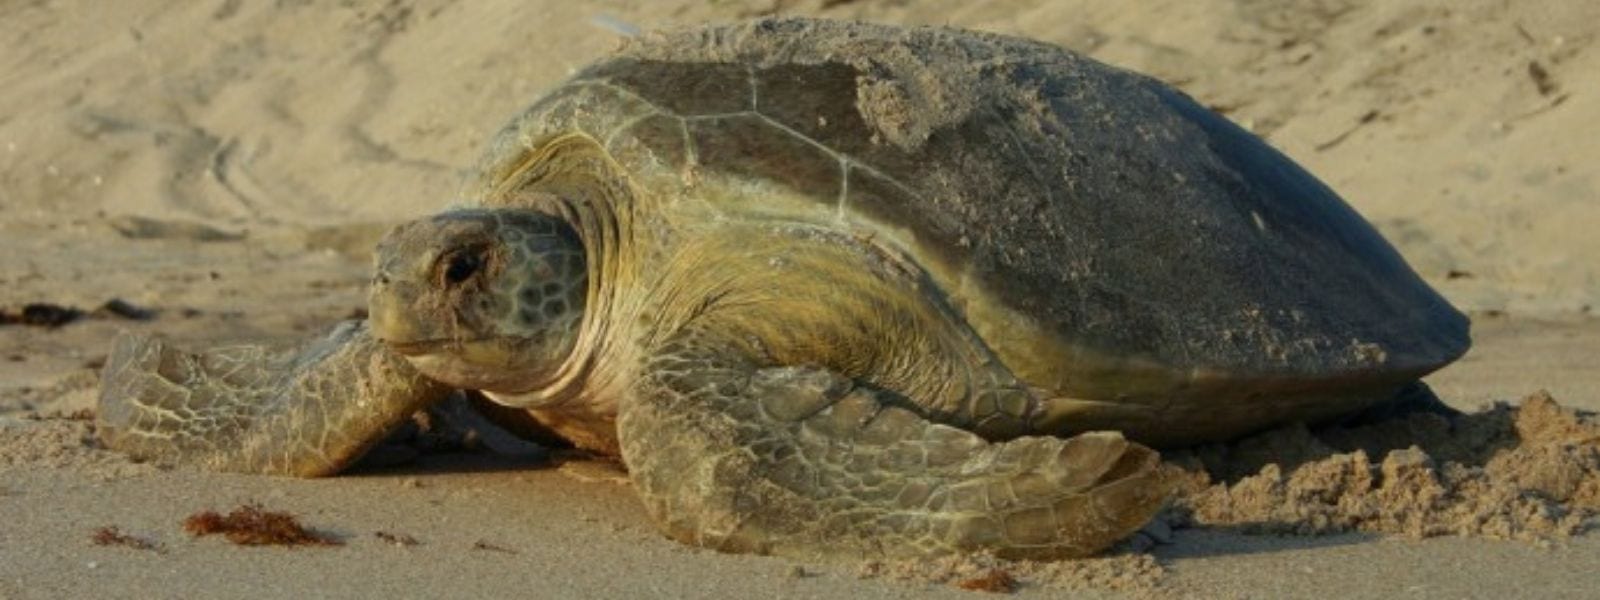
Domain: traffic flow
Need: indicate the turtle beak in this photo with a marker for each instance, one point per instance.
(389, 316)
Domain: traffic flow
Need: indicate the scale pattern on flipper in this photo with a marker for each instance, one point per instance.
(800, 461)
(251, 409)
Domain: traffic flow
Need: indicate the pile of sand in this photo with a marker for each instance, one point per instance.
(1529, 472)
(61, 442)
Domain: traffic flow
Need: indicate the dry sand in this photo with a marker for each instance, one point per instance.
(226, 164)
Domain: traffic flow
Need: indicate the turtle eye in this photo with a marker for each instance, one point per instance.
(461, 265)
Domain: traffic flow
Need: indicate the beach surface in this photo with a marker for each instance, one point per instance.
(217, 172)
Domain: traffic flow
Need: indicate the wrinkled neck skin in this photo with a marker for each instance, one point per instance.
(594, 373)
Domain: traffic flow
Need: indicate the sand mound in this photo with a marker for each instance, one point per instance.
(61, 442)
(1529, 472)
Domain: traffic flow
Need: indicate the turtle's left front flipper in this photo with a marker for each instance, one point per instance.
(306, 413)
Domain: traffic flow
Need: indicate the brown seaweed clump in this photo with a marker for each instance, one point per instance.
(111, 536)
(249, 525)
(995, 580)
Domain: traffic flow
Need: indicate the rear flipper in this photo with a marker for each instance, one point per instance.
(800, 461)
(307, 413)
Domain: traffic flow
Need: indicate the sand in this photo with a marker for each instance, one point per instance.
(1529, 471)
(226, 165)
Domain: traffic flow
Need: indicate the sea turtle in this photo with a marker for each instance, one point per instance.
(842, 288)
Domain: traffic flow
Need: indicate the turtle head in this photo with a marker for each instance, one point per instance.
(487, 299)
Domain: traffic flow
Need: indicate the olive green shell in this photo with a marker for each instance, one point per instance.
(1097, 212)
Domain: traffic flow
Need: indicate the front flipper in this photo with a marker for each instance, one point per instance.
(247, 409)
(802, 461)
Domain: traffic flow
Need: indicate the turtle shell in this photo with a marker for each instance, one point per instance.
(1106, 235)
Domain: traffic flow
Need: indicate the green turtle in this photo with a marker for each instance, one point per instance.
(842, 288)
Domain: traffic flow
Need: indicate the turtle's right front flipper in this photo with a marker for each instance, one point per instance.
(800, 461)
(247, 409)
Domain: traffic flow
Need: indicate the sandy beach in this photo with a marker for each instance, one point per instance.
(223, 169)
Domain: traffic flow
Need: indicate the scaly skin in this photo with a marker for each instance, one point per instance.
(804, 462)
(247, 409)
(814, 400)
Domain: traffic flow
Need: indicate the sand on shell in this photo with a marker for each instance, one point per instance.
(229, 164)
